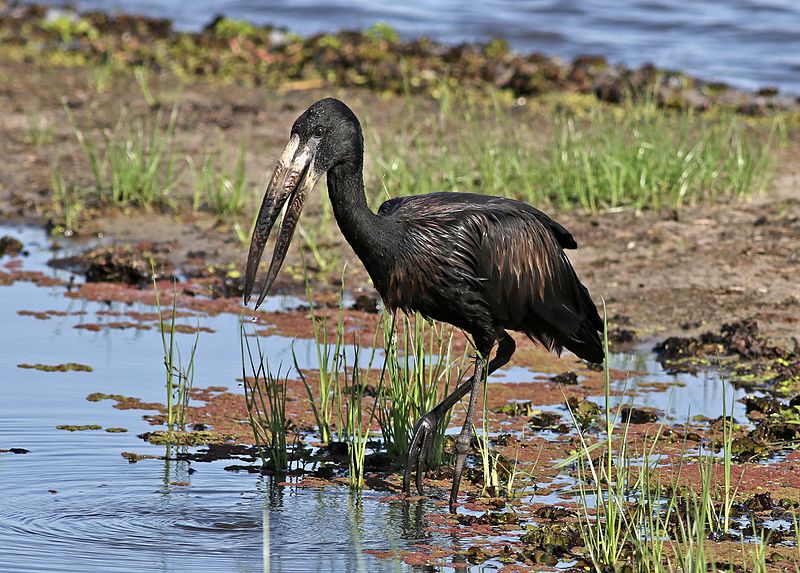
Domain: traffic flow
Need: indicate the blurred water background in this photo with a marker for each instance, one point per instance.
(747, 43)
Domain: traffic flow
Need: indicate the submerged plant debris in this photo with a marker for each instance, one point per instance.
(10, 246)
(197, 438)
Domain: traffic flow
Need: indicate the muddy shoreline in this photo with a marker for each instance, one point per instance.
(375, 59)
(660, 273)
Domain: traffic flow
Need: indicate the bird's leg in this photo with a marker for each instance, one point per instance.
(423, 435)
(464, 440)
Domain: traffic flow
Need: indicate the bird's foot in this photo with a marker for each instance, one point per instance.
(419, 451)
(463, 443)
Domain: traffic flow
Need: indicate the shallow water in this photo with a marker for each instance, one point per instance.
(749, 43)
(73, 503)
(683, 396)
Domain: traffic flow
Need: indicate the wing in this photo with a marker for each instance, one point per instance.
(531, 286)
(501, 258)
(459, 201)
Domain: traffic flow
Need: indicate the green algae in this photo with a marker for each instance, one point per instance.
(78, 427)
(68, 367)
(547, 543)
(98, 396)
(198, 438)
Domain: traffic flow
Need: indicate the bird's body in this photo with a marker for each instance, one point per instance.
(481, 263)
(485, 264)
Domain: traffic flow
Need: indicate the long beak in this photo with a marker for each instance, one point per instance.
(294, 177)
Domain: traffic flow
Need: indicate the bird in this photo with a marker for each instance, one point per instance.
(485, 264)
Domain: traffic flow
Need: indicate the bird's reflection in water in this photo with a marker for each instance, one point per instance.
(414, 521)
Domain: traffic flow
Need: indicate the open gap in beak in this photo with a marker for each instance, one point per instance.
(294, 177)
(288, 224)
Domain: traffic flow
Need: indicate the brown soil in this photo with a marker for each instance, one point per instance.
(659, 273)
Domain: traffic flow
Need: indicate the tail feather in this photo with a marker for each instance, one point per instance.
(586, 343)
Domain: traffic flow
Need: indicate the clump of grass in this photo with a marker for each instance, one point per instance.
(265, 396)
(40, 132)
(69, 27)
(134, 164)
(142, 76)
(228, 29)
(606, 529)
(718, 511)
(179, 378)
(500, 475)
(649, 157)
(420, 369)
(353, 429)
(629, 517)
(382, 31)
(217, 189)
(66, 202)
(102, 77)
(640, 156)
(330, 358)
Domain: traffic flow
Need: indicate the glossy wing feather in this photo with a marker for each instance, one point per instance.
(479, 261)
(533, 287)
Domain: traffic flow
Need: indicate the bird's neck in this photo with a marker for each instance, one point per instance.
(363, 229)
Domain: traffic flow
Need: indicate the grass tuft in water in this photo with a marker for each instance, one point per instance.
(179, 378)
(635, 514)
(420, 368)
(501, 476)
(355, 422)
(265, 396)
(330, 360)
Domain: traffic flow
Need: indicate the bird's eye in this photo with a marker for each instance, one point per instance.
(319, 132)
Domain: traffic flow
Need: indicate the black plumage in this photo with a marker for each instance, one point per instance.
(481, 263)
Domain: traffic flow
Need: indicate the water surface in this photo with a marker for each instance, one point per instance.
(749, 43)
(73, 503)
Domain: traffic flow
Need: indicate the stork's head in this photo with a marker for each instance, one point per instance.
(325, 135)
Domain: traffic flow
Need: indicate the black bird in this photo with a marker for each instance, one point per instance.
(483, 264)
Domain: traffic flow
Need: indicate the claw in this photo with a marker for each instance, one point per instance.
(418, 451)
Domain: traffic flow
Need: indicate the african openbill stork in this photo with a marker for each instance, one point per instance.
(483, 264)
